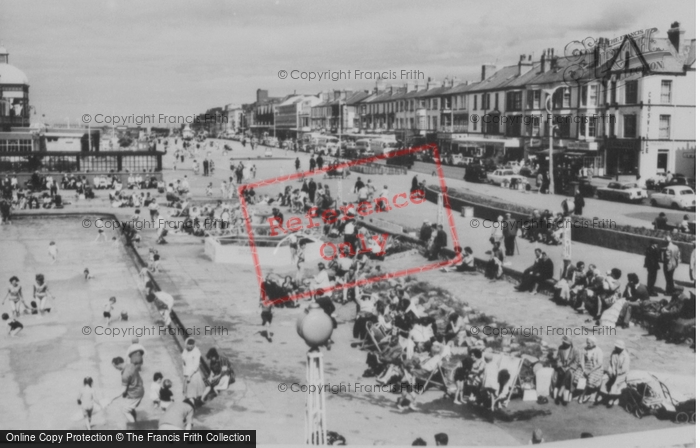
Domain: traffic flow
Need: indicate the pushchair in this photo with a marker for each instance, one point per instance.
(645, 395)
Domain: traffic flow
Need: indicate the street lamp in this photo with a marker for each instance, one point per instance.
(315, 327)
(548, 107)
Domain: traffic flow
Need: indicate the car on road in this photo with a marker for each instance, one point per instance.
(501, 176)
(617, 191)
(676, 196)
(268, 152)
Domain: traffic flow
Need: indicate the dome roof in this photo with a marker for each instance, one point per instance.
(9, 74)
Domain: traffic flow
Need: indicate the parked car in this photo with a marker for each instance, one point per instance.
(659, 183)
(616, 191)
(268, 152)
(475, 173)
(453, 160)
(498, 177)
(676, 196)
(271, 141)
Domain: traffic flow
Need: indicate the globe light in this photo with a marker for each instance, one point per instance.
(315, 327)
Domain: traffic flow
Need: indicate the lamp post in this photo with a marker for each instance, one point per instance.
(548, 107)
(315, 327)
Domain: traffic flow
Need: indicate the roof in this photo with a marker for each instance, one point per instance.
(435, 91)
(356, 97)
(9, 74)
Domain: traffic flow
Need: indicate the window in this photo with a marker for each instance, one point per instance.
(535, 126)
(630, 92)
(665, 127)
(630, 126)
(592, 127)
(611, 121)
(474, 125)
(495, 106)
(593, 95)
(533, 99)
(435, 124)
(475, 102)
(666, 92)
(436, 103)
(562, 98)
(613, 92)
(563, 126)
(584, 95)
(513, 125)
(514, 101)
(484, 101)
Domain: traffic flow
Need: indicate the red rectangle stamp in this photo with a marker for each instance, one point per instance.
(328, 229)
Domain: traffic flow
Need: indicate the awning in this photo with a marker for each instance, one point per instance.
(466, 138)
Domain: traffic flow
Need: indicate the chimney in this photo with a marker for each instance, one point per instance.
(487, 70)
(524, 64)
(674, 35)
(416, 87)
(553, 61)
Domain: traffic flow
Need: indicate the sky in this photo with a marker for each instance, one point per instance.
(178, 57)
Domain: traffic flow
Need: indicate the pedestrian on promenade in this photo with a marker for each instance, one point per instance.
(133, 388)
(538, 182)
(312, 164)
(439, 242)
(297, 164)
(652, 258)
(671, 259)
(205, 166)
(579, 203)
(510, 232)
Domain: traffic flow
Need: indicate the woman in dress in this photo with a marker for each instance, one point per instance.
(193, 382)
(566, 371)
(592, 363)
(14, 293)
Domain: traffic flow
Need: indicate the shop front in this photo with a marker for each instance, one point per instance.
(465, 149)
(622, 156)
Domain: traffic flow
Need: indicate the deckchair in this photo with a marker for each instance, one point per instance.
(429, 378)
(513, 365)
(376, 337)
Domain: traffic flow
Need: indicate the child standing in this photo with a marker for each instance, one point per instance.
(166, 395)
(107, 314)
(461, 374)
(53, 252)
(209, 189)
(41, 294)
(155, 389)
(86, 400)
(15, 325)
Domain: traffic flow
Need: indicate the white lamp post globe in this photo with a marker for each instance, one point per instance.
(315, 327)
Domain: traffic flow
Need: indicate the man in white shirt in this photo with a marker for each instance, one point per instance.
(321, 281)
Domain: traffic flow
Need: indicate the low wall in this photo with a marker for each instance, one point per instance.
(22, 178)
(608, 238)
(268, 257)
